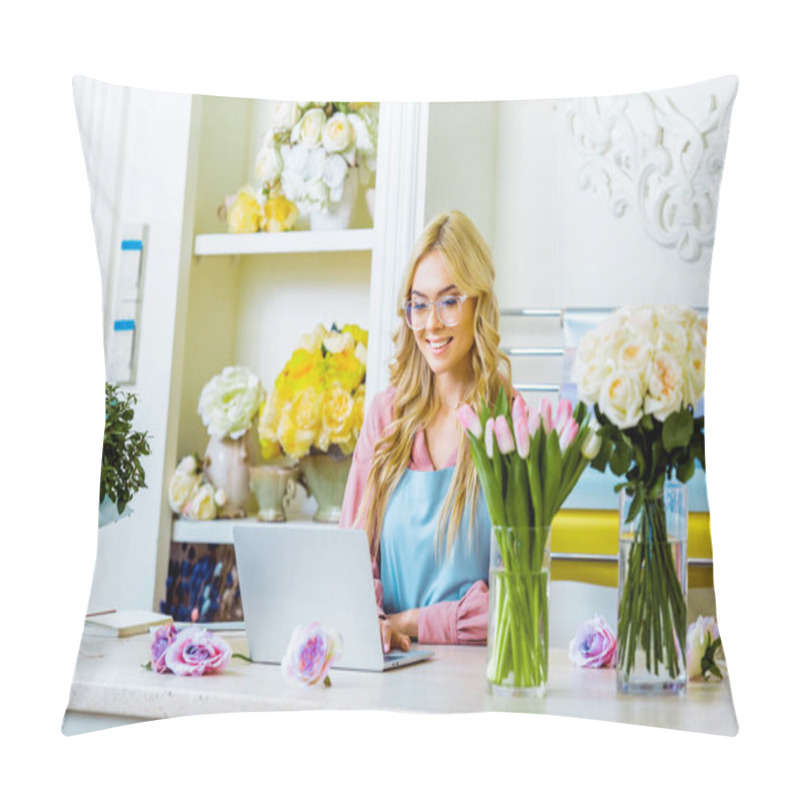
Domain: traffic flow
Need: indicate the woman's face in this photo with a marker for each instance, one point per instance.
(446, 349)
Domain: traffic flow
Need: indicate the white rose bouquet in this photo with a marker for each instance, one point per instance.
(306, 154)
(643, 370)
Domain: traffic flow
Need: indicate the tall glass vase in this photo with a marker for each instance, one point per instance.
(652, 594)
(519, 584)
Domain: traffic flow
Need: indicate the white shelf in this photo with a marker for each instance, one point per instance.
(220, 244)
(220, 531)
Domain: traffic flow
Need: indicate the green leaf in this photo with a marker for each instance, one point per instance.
(685, 470)
(678, 429)
(621, 458)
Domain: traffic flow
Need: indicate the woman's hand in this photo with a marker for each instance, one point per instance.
(392, 637)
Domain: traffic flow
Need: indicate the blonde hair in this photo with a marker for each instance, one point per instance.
(455, 237)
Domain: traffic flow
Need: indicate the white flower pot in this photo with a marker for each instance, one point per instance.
(338, 217)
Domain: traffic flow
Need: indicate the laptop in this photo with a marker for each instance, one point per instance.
(292, 575)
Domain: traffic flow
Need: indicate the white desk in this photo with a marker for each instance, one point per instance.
(110, 681)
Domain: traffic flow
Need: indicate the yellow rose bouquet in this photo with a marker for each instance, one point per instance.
(317, 402)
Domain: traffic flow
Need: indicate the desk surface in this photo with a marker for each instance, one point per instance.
(110, 680)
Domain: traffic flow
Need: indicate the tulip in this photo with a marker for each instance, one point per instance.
(469, 419)
(568, 434)
(489, 437)
(519, 416)
(546, 413)
(505, 439)
(591, 446)
(533, 422)
(563, 414)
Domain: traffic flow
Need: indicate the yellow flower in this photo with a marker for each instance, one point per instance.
(360, 336)
(299, 423)
(305, 368)
(280, 214)
(358, 410)
(246, 215)
(344, 368)
(336, 410)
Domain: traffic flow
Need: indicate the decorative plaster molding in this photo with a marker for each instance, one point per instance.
(644, 151)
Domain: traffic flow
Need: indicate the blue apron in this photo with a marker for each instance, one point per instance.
(412, 573)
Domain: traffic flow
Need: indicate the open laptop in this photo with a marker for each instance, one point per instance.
(292, 575)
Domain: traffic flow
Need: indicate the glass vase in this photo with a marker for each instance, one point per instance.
(519, 584)
(652, 593)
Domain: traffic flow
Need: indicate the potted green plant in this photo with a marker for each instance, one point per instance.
(121, 472)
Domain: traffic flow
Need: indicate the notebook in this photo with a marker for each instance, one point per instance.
(292, 575)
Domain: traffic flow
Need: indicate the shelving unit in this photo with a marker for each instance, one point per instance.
(220, 531)
(216, 244)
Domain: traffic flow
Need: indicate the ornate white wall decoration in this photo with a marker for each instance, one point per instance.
(647, 152)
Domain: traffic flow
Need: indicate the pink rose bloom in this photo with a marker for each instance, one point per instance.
(594, 644)
(195, 651)
(162, 639)
(312, 650)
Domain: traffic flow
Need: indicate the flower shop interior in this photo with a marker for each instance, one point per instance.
(551, 185)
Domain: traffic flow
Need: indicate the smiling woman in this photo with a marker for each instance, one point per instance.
(412, 484)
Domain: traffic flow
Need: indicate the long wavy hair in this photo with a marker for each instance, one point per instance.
(454, 236)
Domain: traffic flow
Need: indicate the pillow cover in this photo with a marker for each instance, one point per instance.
(229, 229)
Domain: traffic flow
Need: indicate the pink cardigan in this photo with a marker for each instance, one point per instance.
(461, 621)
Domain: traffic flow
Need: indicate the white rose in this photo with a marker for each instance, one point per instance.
(671, 338)
(285, 115)
(202, 505)
(702, 633)
(337, 342)
(313, 341)
(621, 399)
(361, 353)
(181, 487)
(642, 322)
(591, 367)
(269, 163)
(188, 464)
(311, 125)
(361, 133)
(664, 387)
(337, 133)
(634, 358)
(694, 376)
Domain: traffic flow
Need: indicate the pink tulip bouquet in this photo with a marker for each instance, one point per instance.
(527, 463)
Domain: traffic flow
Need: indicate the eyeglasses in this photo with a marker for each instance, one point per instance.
(448, 311)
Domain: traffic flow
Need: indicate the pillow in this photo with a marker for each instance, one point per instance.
(208, 283)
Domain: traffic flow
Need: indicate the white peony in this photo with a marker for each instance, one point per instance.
(591, 367)
(620, 399)
(229, 401)
(202, 505)
(695, 375)
(269, 163)
(182, 487)
(337, 133)
(315, 195)
(664, 387)
(310, 127)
